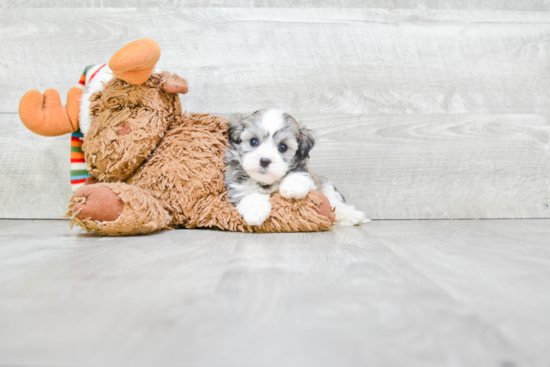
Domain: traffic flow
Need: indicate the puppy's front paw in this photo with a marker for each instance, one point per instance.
(296, 186)
(296, 192)
(255, 208)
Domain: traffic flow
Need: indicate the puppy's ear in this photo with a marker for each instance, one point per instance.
(306, 141)
(235, 129)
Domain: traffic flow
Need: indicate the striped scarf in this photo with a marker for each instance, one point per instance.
(79, 167)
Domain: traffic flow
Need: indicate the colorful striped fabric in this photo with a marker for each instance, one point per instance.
(82, 80)
(88, 74)
(79, 167)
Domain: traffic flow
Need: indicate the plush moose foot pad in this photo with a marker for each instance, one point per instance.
(324, 207)
(100, 204)
(116, 209)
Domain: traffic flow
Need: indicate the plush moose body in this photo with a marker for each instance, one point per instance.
(151, 165)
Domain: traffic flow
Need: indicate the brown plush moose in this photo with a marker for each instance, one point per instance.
(152, 166)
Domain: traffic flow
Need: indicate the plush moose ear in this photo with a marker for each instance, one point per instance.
(235, 129)
(174, 84)
(306, 141)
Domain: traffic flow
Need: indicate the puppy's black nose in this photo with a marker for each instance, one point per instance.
(264, 162)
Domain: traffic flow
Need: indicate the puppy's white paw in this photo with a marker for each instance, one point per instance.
(349, 216)
(296, 192)
(296, 185)
(255, 208)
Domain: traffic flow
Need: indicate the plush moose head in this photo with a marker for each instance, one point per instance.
(133, 64)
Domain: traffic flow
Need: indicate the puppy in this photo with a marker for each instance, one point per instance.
(269, 152)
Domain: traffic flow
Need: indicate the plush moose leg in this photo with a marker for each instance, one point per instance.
(46, 116)
(116, 209)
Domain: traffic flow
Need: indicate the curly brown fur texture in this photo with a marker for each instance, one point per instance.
(147, 109)
(173, 165)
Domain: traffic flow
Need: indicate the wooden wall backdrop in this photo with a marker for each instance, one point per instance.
(425, 110)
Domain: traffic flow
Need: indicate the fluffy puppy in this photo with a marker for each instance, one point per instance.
(269, 152)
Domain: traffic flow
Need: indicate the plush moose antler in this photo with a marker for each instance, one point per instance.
(45, 115)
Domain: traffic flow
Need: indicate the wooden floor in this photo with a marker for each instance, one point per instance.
(389, 293)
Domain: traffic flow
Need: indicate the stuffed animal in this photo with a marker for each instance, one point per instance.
(139, 164)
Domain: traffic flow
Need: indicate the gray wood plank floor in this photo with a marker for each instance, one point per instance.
(389, 293)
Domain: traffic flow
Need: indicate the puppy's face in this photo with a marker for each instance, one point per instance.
(269, 143)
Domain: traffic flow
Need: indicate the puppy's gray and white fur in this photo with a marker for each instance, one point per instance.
(269, 152)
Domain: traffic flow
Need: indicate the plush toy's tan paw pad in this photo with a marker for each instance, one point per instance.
(100, 204)
(116, 209)
(324, 207)
(135, 62)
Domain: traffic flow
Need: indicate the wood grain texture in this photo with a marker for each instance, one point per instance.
(393, 293)
(34, 173)
(470, 269)
(523, 5)
(298, 59)
(437, 166)
(390, 166)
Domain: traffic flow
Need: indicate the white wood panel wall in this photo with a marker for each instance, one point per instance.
(437, 110)
(524, 5)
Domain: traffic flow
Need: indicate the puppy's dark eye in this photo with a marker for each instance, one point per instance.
(254, 142)
(282, 148)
